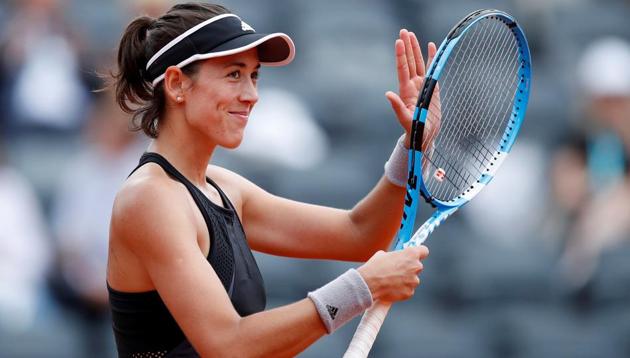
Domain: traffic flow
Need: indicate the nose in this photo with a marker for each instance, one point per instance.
(249, 92)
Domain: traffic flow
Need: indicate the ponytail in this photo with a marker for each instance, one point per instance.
(130, 85)
(132, 90)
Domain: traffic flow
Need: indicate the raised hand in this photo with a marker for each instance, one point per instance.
(411, 69)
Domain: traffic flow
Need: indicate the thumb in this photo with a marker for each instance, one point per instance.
(402, 113)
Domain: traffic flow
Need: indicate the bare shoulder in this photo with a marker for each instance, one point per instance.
(237, 187)
(225, 176)
(149, 204)
(144, 193)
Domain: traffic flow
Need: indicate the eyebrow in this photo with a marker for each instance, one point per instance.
(240, 64)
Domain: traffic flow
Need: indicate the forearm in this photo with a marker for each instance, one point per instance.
(325, 233)
(377, 217)
(281, 332)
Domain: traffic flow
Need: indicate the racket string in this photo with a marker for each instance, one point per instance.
(494, 109)
(451, 169)
(478, 107)
(447, 131)
(513, 84)
(476, 100)
(460, 108)
(456, 73)
(469, 81)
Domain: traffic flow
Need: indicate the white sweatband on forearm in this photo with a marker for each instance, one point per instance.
(342, 299)
(396, 166)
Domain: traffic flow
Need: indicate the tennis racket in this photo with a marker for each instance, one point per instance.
(468, 115)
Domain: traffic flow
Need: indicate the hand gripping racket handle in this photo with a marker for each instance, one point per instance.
(367, 330)
(373, 318)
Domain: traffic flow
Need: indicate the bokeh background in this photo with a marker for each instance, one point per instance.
(537, 266)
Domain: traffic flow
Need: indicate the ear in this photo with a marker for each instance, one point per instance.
(174, 84)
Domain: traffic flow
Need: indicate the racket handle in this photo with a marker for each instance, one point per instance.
(367, 330)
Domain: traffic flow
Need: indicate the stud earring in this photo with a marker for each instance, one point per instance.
(179, 99)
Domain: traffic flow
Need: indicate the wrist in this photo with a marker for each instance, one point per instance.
(370, 281)
(407, 140)
(342, 299)
(397, 165)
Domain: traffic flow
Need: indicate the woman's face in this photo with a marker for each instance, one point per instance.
(222, 96)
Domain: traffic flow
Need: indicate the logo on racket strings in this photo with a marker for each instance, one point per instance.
(439, 174)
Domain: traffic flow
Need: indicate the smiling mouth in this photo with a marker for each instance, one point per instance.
(242, 115)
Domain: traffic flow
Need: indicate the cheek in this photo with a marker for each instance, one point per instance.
(202, 108)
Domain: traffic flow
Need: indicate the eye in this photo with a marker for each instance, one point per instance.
(255, 75)
(235, 75)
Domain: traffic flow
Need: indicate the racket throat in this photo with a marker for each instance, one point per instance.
(428, 227)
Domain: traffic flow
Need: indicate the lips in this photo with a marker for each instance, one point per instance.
(240, 115)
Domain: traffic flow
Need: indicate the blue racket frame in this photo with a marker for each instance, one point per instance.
(415, 183)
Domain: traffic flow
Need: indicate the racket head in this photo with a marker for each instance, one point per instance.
(458, 166)
(424, 171)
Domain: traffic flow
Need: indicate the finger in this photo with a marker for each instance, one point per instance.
(417, 54)
(431, 54)
(400, 109)
(419, 267)
(413, 253)
(419, 252)
(411, 62)
(401, 62)
(423, 252)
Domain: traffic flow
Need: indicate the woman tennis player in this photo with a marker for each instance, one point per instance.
(181, 276)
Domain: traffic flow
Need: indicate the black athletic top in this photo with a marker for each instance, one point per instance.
(142, 324)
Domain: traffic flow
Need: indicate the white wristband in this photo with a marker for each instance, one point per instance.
(342, 299)
(396, 166)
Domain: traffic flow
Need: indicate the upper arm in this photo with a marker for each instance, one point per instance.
(285, 227)
(156, 225)
(289, 228)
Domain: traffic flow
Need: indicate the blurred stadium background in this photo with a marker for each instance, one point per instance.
(537, 266)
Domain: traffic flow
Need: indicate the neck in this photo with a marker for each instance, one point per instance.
(185, 148)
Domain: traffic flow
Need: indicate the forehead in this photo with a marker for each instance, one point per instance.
(247, 58)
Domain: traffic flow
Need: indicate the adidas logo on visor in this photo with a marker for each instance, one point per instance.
(246, 27)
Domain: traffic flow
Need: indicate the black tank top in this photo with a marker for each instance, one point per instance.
(142, 324)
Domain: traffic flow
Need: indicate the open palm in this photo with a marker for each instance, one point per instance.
(411, 69)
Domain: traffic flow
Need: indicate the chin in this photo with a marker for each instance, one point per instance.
(232, 144)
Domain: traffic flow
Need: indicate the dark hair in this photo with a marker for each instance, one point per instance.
(142, 38)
